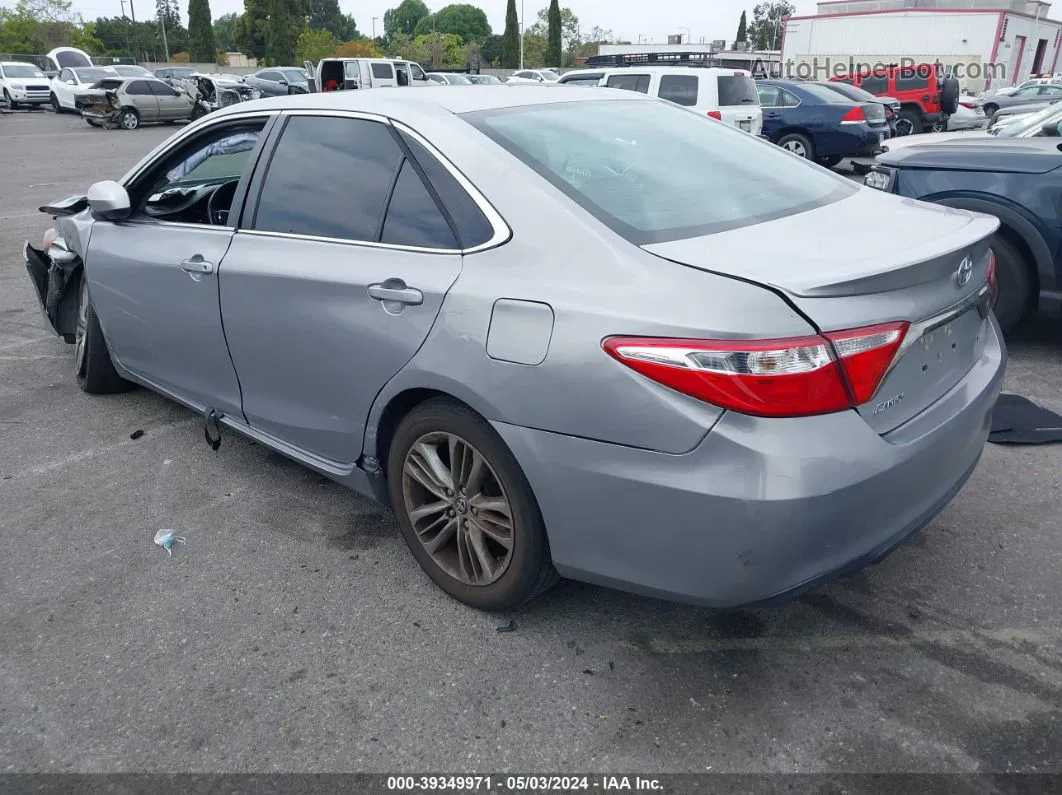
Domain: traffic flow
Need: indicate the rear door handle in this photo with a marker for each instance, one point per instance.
(396, 290)
(197, 264)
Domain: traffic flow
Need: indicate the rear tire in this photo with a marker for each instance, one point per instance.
(448, 436)
(129, 119)
(93, 367)
(830, 161)
(991, 110)
(1014, 284)
(55, 103)
(909, 122)
(798, 144)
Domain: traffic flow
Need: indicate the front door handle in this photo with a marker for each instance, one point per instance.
(395, 290)
(197, 264)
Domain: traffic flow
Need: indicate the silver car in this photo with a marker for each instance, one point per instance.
(558, 331)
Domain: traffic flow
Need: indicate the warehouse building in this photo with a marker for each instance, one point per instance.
(988, 43)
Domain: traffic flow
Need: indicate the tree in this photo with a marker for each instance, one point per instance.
(438, 51)
(282, 31)
(222, 58)
(346, 28)
(536, 51)
(765, 32)
(511, 38)
(201, 32)
(742, 32)
(362, 48)
(400, 46)
(251, 30)
(225, 32)
(553, 34)
(490, 50)
(467, 21)
(403, 18)
(313, 45)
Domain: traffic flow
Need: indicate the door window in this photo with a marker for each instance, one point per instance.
(912, 79)
(789, 99)
(160, 89)
(137, 87)
(273, 76)
(382, 70)
(350, 70)
(875, 84)
(329, 177)
(628, 82)
(413, 217)
(66, 75)
(770, 96)
(200, 178)
(680, 89)
(416, 72)
(1051, 91)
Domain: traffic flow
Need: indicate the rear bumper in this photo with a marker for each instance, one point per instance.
(856, 141)
(763, 509)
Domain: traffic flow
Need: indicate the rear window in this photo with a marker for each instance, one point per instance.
(823, 94)
(639, 83)
(652, 171)
(737, 90)
(680, 89)
(845, 90)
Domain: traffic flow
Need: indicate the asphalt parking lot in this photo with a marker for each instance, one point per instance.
(295, 632)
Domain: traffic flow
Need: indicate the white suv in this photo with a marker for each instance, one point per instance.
(726, 94)
(534, 76)
(23, 84)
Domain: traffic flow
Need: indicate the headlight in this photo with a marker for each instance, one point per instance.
(18, 86)
(878, 178)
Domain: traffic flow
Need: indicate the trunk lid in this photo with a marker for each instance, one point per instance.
(875, 113)
(850, 284)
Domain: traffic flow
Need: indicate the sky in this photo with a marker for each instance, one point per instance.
(653, 21)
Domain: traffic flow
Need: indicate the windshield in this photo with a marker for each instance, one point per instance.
(737, 90)
(549, 74)
(15, 70)
(92, 75)
(1033, 123)
(653, 171)
(459, 80)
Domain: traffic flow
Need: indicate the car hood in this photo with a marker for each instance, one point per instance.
(1021, 155)
(772, 253)
(921, 139)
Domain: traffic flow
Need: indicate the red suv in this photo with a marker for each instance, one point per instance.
(926, 96)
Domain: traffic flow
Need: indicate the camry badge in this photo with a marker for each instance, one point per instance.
(965, 271)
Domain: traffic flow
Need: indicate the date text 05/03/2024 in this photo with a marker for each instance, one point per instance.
(478, 783)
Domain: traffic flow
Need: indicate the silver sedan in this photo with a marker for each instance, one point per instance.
(559, 333)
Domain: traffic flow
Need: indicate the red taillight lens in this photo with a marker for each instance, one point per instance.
(970, 105)
(865, 356)
(794, 377)
(992, 286)
(715, 114)
(854, 116)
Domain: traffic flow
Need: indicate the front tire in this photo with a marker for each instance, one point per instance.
(11, 104)
(93, 367)
(1014, 284)
(798, 144)
(465, 508)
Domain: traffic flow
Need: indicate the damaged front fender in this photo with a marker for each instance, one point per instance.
(55, 277)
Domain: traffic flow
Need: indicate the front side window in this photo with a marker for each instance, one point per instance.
(416, 72)
(680, 89)
(181, 189)
(66, 75)
(652, 171)
(1051, 91)
(629, 82)
(160, 89)
(329, 177)
(912, 79)
(92, 75)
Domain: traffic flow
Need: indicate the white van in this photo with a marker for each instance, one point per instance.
(726, 94)
(345, 74)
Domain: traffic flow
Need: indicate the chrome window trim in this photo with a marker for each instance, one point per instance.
(347, 242)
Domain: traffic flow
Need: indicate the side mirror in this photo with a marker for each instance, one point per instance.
(283, 81)
(71, 83)
(108, 200)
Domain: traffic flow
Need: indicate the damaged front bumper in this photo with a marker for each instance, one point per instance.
(55, 275)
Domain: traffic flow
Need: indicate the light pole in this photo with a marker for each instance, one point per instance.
(374, 27)
(521, 34)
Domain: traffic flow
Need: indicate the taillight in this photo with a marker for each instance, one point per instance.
(992, 286)
(970, 105)
(794, 377)
(854, 116)
(715, 114)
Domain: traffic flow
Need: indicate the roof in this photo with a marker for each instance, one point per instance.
(454, 99)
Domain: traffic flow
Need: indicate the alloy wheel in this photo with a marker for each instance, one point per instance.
(458, 508)
(796, 148)
(82, 327)
(903, 127)
(130, 120)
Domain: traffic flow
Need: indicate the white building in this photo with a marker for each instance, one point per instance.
(991, 43)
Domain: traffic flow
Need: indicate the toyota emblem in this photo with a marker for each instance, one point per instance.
(965, 271)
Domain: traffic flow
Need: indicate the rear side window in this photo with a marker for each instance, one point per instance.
(639, 83)
(680, 89)
(875, 84)
(137, 87)
(382, 70)
(770, 96)
(413, 218)
(737, 90)
(472, 225)
(912, 79)
(329, 177)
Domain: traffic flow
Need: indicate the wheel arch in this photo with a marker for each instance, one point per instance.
(1018, 228)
